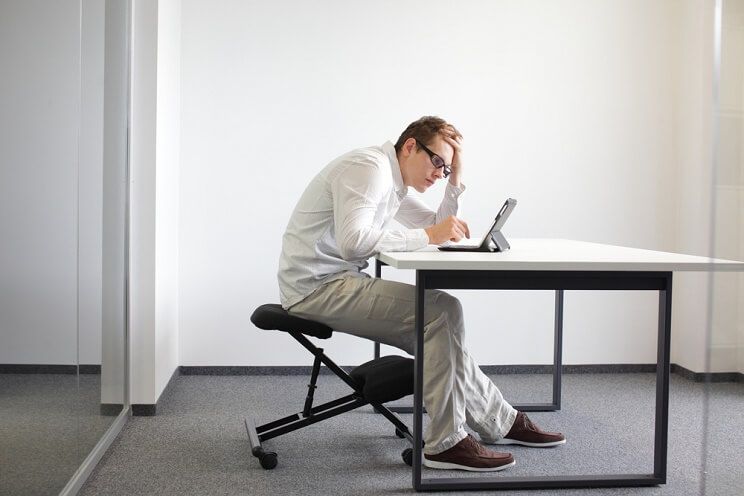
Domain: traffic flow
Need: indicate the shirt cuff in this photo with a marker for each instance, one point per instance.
(416, 239)
(454, 191)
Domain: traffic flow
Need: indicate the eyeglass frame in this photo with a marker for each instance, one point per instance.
(447, 168)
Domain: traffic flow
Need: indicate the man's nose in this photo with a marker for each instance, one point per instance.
(439, 173)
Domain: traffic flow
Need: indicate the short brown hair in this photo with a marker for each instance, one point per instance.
(424, 130)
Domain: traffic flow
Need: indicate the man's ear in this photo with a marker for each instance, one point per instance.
(408, 146)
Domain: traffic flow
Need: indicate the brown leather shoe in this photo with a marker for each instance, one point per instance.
(469, 455)
(525, 433)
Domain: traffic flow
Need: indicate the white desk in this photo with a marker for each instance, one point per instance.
(552, 264)
(557, 255)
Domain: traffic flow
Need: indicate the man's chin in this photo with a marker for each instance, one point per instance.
(428, 185)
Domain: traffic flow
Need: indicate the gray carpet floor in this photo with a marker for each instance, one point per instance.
(48, 425)
(197, 443)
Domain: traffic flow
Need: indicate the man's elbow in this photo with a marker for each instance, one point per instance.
(353, 249)
(349, 253)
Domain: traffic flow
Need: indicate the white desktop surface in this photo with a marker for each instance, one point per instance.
(557, 254)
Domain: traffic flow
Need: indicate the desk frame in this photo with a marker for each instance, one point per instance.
(558, 281)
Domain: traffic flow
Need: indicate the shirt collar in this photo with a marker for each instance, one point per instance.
(400, 188)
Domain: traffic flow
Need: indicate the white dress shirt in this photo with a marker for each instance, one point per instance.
(340, 220)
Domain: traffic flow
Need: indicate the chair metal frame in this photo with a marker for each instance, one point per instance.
(312, 414)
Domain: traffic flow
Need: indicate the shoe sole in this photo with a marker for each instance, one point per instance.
(455, 466)
(531, 445)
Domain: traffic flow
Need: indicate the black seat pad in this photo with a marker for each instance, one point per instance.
(385, 379)
(272, 317)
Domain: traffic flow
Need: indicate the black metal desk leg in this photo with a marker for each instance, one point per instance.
(418, 380)
(378, 275)
(662, 381)
(558, 349)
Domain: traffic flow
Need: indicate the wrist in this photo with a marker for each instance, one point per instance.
(454, 179)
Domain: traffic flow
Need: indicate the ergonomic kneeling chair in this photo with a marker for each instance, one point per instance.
(376, 382)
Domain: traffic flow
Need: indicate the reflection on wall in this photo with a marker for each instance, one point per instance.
(727, 332)
(62, 225)
(114, 240)
(39, 121)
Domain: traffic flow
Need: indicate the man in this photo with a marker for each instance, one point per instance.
(339, 223)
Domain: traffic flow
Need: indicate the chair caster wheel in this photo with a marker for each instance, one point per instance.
(407, 456)
(399, 433)
(268, 460)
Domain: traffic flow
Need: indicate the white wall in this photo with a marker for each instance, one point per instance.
(167, 189)
(154, 184)
(90, 181)
(51, 197)
(570, 107)
(142, 189)
(115, 204)
(39, 123)
(52, 192)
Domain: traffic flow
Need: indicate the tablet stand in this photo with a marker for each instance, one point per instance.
(494, 242)
(498, 242)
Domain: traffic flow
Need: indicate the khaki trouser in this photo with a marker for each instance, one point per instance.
(456, 391)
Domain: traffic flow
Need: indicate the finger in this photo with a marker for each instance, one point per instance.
(463, 226)
(467, 229)
(448, 135)
(454, 137)
(451, 132)
(455, 144)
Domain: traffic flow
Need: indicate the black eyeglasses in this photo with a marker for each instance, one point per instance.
(436, 160)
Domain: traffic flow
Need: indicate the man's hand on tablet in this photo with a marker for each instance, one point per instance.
(450, 229)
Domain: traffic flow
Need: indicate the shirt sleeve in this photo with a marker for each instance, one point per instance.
(413, 212)
(358, 193)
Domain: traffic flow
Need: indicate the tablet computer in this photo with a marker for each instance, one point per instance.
(493, 240)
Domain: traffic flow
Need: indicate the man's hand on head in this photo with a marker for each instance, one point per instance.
(450, 229)
(455, 141)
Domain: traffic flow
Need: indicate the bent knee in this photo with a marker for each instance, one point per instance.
(446, 306)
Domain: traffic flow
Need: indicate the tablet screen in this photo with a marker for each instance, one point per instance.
(503, 214)
(500, 220)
